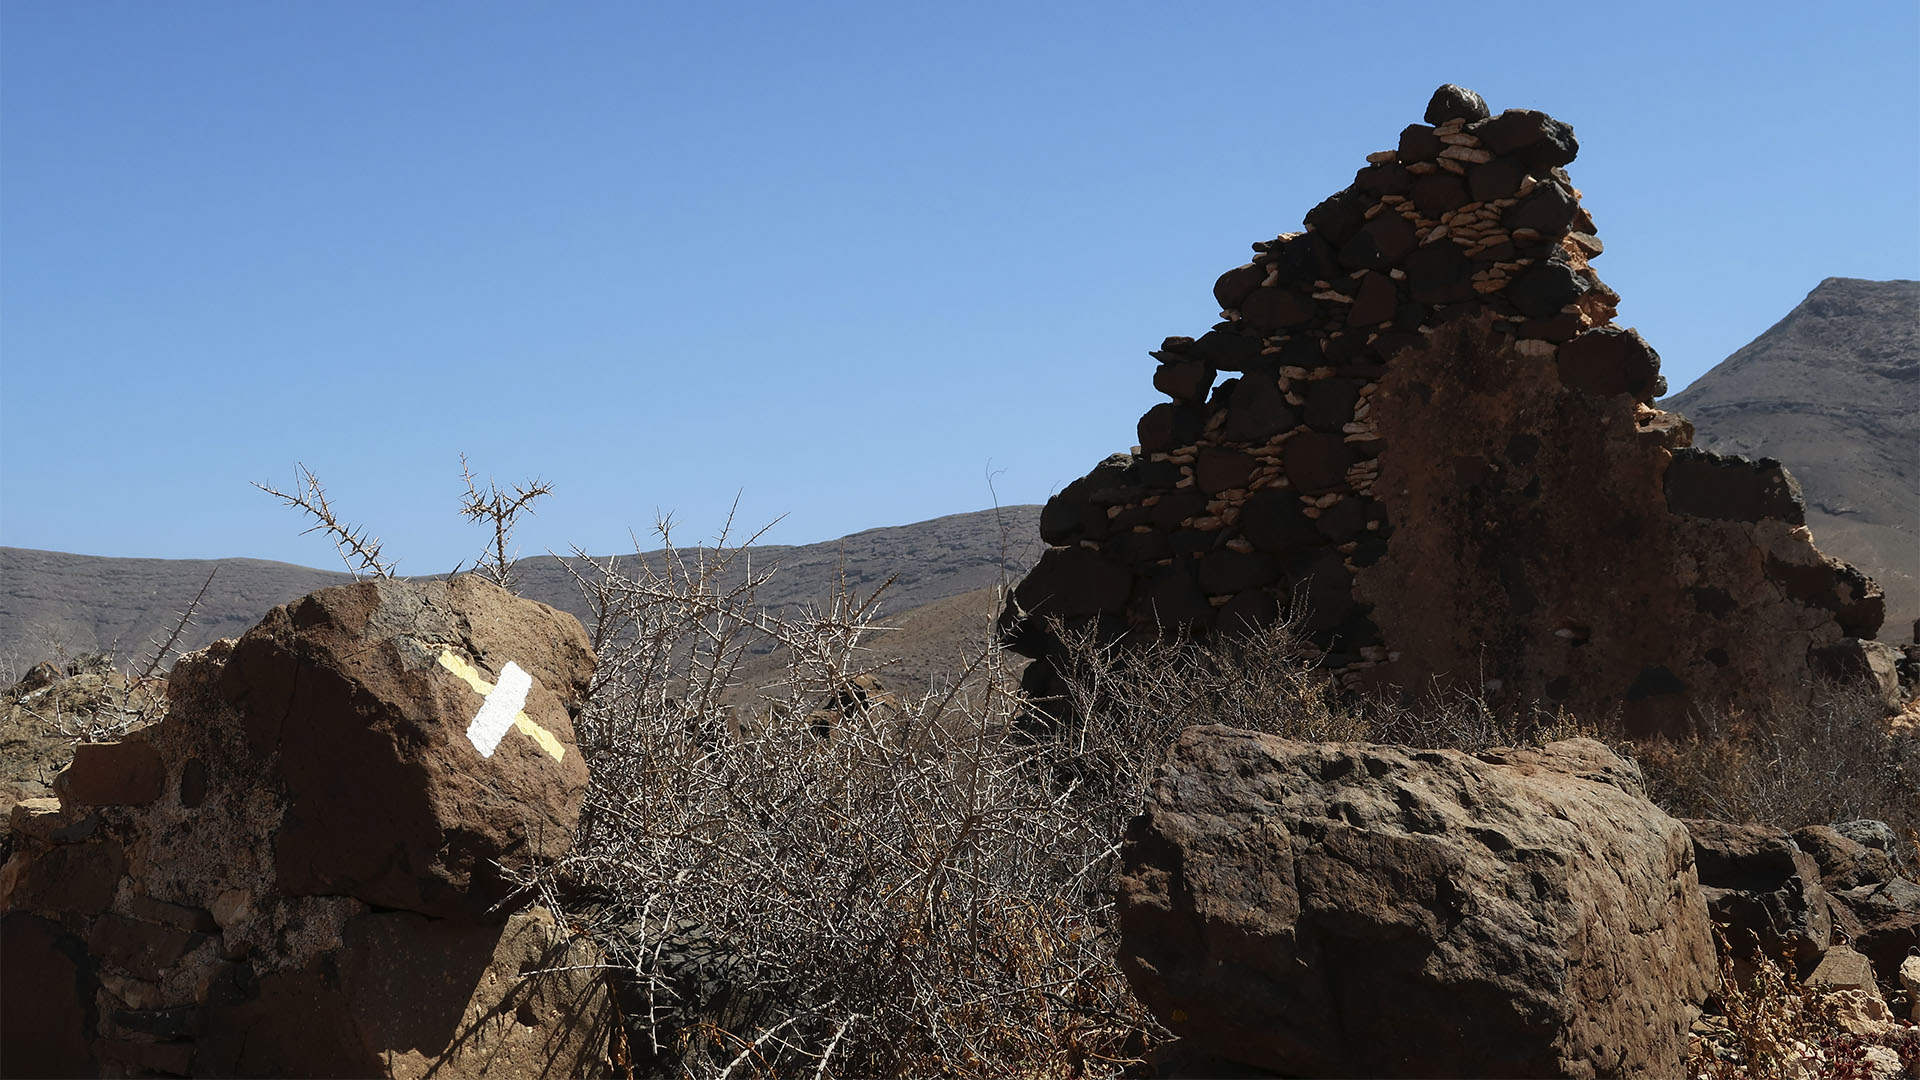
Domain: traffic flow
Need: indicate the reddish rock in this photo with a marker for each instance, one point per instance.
(1359, 910)
(349, 692)
(114, 773)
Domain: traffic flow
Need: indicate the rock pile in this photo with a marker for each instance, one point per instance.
(1796, 896)
(299, 870)
(1360, 910)
(1438, 446)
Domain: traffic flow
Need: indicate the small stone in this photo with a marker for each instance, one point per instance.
(1382, 157)
(1472, 155)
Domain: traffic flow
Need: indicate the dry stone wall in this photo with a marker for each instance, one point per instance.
(1436, 450)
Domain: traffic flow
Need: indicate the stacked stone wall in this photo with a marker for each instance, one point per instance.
(1436, 451)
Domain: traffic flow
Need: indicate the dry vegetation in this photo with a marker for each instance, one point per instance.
(919, 887)
(804, 879)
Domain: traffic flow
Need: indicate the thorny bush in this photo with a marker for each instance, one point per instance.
(920, 887)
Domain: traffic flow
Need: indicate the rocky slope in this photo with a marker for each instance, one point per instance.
(53, 603)
(1833, 390)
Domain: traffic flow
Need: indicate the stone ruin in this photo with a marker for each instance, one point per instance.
(299, 870)
(1438, 452)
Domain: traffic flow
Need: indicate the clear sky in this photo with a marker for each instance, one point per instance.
(845, 261)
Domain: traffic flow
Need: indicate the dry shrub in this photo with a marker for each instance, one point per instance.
(925, 890)
(1832, 759)
(1765, 1024)
(908, 895)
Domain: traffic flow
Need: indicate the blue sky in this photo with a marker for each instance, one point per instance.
(845, 261)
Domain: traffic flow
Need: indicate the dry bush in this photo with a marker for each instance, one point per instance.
(925, 889)
(1833, 759)
(1764, 1024)
(908, 895)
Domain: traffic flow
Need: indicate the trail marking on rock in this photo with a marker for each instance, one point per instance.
(502, 708)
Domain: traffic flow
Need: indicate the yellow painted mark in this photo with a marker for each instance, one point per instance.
(470, 675)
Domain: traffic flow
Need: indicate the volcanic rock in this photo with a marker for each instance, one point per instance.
(1363, 910)
(301, 868)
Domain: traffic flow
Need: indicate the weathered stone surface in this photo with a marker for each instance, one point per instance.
(1888, 918)
(389, 800)
(1735, 488)
(1543, 289)
(1276, 308)
(1439, 274)
(1610, 360)
(1764, 891)
(105, 774)
(1547, 142)
(47, 1007)
(1356, 910)
(327, 761)
(1074, 581)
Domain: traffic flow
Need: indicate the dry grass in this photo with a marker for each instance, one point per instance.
(1794, 764)
(1767, 1025)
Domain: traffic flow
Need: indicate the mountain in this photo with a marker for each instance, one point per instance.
(54, 605)
(1833, 390)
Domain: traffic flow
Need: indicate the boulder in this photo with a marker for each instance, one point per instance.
(422, 735)
(1764, 893)
(302, 868)
(1359, 910)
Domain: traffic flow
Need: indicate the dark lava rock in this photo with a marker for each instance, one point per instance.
(1547, 142)
(1543, 289)
(1452, 102)
(1609, 360)
(1706, 484)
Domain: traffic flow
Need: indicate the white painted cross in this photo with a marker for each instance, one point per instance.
(501, 711)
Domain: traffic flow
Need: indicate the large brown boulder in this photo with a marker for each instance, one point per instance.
(300, 869)
(1363, 910)
(363, 697)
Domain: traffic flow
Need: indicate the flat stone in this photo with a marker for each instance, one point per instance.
(127, 773)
